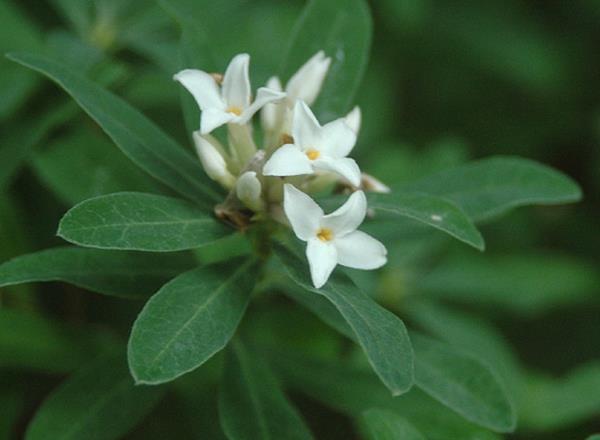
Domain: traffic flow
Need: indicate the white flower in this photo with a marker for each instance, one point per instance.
(212, 155)
(332, 239)
(248, 189)
(230, 103)
(304, 85)
(315, 148)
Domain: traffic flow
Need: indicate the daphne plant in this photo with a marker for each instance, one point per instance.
(226, 227)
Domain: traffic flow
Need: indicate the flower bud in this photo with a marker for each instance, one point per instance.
(371, 184)
(212, 160)
(248, 189)
(306, 83)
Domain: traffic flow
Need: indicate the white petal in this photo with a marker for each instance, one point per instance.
(212, 118)
(269, 113)
(203, 88)
(306, 83)
(287, 160)
(353, 119)
(263, 97)
(302, 212)
(305, 127)
(337, 139)
(248, 189)
(348, 217)
(345, 167)
(322, 259)
(212, 161)
(360, 251)
(236, 82)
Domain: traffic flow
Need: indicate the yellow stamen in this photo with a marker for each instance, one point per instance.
(313, 154)
(235, 110)
(325, 234)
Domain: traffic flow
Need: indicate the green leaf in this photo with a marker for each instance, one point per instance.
(430, 210)
(251, 403)
(99, 402)
(381, 424)
(594, 437)
(18, 145)
(31, 342)
(380, 333)
(125, 274)
(138, 221)
(344, 33)
(107, 170)
(353, 389)
(12, 402)
(490, 187)
(189, 320)
(140, 139)
(462, 383)
(556, 403)
(536, 283)
(16, 33)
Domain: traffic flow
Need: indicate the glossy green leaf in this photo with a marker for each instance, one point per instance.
(126, 274)
(381, 424)
(98, 402)
(557, 403)
(106, 169)
(344, 32)
(527, 284)
(138, 221)
(353, 389)
(189, 320)
(140, 139)
(489, 187)
(430, 210)
(462, 383)
(251, 403)
(34, 343)
(380, 333)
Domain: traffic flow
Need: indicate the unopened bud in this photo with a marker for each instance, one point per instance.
(371, 184)
(248, 189)
(212, 160)
(269, 115)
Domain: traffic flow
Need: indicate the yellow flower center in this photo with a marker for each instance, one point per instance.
(312, 154)
(325, 234)
(235, 110)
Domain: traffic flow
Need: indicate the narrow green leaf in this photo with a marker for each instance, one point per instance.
(380, 333)
(344, 32)
(251, 403)
(556, 403)
(126, 274)
(138, 221)
(33, 343)
(430, 210)
(462, 383)
(490, 187)
(526, 284)
(352, 389)
(381, 424)
(106, 169)
(189, 320)
(140, 139)
(98, 402)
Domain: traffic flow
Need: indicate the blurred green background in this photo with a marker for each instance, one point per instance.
(448, 81)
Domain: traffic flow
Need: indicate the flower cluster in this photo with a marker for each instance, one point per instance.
(299, 156)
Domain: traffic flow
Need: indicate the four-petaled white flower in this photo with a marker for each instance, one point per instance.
(332, 239)
(315, 148)
(230, 103)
